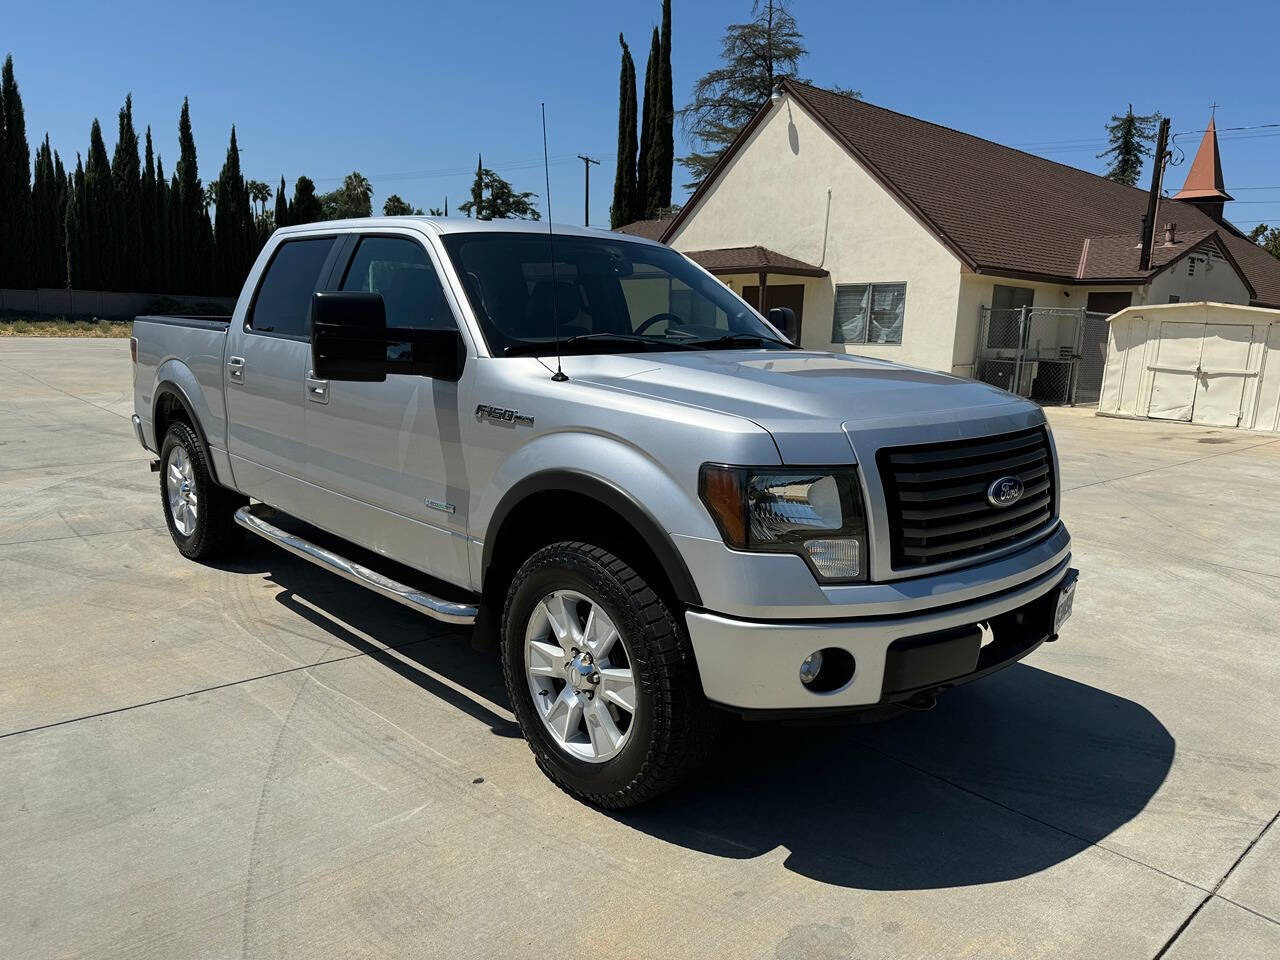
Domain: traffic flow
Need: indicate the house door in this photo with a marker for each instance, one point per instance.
(1199, 372)
(783, 295)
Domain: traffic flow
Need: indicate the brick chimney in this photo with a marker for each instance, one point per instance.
(1204, 186)
(1170, 234)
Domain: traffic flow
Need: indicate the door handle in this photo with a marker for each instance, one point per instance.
(317, 390)
(235, 369)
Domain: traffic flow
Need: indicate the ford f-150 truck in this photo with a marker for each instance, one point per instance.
(657, 507)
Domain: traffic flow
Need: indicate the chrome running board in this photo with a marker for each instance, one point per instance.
(253, 519)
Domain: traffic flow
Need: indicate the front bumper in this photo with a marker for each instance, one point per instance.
(754, 665)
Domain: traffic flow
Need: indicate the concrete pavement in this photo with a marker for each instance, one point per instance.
(263, 760)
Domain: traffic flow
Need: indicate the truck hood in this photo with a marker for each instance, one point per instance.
(813, 403)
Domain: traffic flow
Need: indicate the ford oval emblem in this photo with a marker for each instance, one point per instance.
(1004, 492)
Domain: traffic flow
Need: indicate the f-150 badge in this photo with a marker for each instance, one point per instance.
(502, 415)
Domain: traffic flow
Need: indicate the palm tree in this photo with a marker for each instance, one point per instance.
(259, 193)
(210, 195)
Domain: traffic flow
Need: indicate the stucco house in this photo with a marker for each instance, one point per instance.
(899, 238)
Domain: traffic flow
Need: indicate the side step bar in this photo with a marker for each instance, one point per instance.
(252, 518)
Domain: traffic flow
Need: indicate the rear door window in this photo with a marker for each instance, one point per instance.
(283, 304)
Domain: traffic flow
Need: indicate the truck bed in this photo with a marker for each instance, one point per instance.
(189, 351)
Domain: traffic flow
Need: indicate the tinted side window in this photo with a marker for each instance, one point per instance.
(398, 268)
(283, 304)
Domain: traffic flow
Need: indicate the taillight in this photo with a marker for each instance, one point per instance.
(133, 349)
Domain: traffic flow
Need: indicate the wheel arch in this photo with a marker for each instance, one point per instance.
(520, 520)
(170, 402)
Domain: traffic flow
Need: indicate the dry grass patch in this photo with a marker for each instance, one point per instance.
(94, 329)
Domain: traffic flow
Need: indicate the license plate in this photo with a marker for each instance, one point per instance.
(1066, 596)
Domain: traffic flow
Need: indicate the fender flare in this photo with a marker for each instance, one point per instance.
(611, 496)
(168, 388)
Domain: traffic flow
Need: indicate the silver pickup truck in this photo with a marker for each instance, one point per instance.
(655, 506)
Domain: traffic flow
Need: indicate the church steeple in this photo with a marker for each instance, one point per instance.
(1204, 186)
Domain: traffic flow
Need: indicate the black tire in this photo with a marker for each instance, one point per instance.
(673, 729)
(215, 534)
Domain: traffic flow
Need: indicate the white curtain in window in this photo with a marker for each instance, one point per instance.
(850, 325)
(888, 302)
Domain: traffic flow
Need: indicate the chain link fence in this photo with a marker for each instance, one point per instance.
(1052, 355)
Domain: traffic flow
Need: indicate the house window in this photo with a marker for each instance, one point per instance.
(869, 312)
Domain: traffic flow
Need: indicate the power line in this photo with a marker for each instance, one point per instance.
(514, 165)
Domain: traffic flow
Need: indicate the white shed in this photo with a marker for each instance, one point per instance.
(1216, 364)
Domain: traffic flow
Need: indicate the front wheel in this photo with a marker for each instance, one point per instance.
(602, 677)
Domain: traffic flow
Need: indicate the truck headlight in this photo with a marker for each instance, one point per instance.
(816, 514)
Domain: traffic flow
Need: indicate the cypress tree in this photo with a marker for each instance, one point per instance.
(477, 189)
(662, 152)
(190, 213)
(45, 215)
(62, 191)
(282, 206)
(624, 179)
(234, 238)
(648, 129)
(305, 205)
(163, 263)
(73, 227)
(99, 266)
(127, 185)
(147, 214)
(16, 237)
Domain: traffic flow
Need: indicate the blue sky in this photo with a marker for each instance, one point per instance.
(407, 93)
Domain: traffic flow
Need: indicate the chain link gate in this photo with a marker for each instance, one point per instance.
(1052, 355)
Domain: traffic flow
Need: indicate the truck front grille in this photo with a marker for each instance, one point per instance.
(937, 496)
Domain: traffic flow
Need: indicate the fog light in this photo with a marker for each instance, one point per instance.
(810, 668)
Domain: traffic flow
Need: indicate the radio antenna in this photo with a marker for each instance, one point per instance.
(558, 376)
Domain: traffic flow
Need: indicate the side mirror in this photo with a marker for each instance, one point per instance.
(784, 318)
(350, 340)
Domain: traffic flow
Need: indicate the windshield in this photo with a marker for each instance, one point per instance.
(609, 296)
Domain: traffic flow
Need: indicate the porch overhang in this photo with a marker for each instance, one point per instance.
(753, 260)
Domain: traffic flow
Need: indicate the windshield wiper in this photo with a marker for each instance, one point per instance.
(743, 339)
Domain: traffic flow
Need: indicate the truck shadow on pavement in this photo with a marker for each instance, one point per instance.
(1004, 778)
(412, 646)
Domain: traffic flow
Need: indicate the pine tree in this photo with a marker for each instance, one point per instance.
(146, 272)
(756, 56)
(305, 205)
(127, 185)
(648, 128)
(282, 206)
(624, 179)
(662, 150)
(16, 236)
(1131, 137)
(99, 267)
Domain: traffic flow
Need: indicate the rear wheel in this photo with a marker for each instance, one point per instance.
(199, 513)
(602, 678)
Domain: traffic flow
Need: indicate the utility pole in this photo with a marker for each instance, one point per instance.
(586, 188)
(1153, 197)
